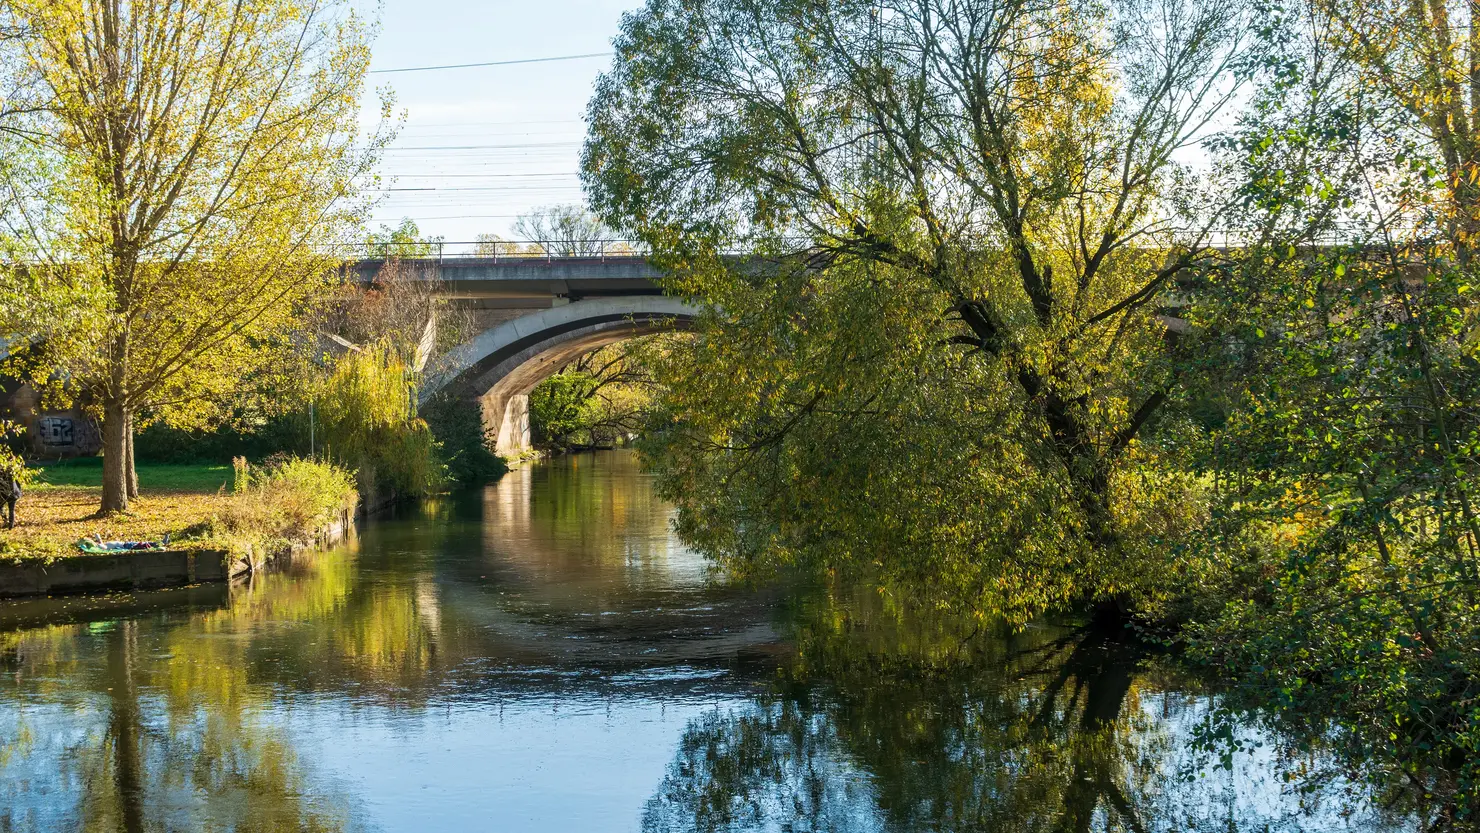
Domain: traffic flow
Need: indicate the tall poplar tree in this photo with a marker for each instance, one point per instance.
(201, 157)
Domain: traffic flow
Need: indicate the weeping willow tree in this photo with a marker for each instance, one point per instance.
(368, 416)
(945, 357)
(198, 157)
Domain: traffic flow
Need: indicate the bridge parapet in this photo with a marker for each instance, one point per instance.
(472, 278)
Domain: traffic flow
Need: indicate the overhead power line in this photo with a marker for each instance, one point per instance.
(394, 217)
(472, 188)
(497, 63)
(435, 175)
(487, 147)
(417, 123)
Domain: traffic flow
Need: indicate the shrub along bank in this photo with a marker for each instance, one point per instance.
(282, 504)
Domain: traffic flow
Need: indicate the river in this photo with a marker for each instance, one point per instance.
(544, 655)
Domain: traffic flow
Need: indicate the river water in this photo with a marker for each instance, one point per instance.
(544, 655)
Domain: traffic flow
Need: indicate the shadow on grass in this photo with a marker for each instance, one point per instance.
(87, 472)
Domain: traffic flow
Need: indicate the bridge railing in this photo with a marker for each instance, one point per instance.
(497, 250)
(514, 250)
(616, 248)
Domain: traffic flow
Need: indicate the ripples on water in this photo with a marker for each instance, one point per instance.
(545, 656)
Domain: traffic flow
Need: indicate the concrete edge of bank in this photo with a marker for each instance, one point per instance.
(157, 569)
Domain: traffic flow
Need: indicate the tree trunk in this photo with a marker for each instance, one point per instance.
(115, 458)
(126, 727)
(1094, 499)
(131, 474)
(1087, 470)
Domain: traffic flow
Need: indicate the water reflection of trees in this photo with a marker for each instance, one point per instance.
(587, 524)
(130, 754)
(879, 720)
(176, 722)
(177, 719)
(890, 722)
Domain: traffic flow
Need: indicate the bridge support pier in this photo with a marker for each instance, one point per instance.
(513, 431)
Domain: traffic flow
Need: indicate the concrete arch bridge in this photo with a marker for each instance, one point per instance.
(532, 316)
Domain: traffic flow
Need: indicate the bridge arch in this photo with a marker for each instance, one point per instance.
(501, 365)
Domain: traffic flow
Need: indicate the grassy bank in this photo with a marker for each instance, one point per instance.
(196, 505)
(87, 473)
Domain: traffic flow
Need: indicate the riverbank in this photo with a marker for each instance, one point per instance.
(214, 534)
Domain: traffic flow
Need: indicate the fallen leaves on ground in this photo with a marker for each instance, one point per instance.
(49, 520)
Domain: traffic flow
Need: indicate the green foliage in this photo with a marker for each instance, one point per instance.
(466, 449)
(455, 426)
(367, 413)
(945, 358)
(1347, 468)
(986, 345)
(286, 500)
(189, 198)
(560, 408)
(254, 437)
(404, 240)
(601, 398)
(1349, 476)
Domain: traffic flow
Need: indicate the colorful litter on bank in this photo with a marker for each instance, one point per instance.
(97, 546)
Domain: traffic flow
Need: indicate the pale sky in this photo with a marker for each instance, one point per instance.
(492, 141)
(482, 145)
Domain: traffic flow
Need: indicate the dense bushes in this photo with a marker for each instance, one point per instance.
(466, 448)
(364, 415)
(287, 499)
(1346, 518)
(600, 399)
(559, 409)
(254, 436)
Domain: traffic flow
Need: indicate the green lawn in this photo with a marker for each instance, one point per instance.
(88, 472)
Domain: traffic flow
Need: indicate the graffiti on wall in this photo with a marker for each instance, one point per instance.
(55, 431)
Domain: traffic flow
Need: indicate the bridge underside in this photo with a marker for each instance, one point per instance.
(505, 402)
(500, 367)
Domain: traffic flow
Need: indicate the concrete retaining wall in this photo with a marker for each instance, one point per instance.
(66, 610)
(81, 573)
